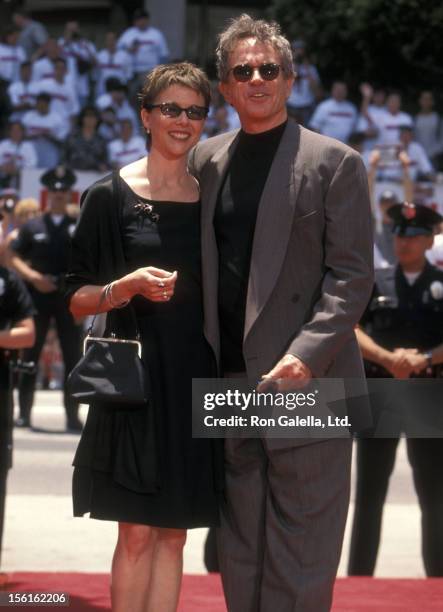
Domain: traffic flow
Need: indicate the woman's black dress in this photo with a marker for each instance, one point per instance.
(142, 465)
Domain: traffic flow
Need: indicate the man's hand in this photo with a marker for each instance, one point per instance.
(288, 374)
(366, 90)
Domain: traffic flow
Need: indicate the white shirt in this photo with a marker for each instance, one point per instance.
(371, 123)
(420, 164)
(152, 48)
(85, 50)
(44, 69)
(124, 111)
(22, 155)
(64, 99)
(388, 123)
(121, 153)
(428, 130)
(21, 93)
(302, 94)
(117, 64)
(334, 119)
(11, 56)
(51, 125)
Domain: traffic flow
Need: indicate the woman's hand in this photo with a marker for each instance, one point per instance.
(152, 283)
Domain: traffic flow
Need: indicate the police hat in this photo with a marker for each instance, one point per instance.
(413, 219)
(388, 196)
(58, 179)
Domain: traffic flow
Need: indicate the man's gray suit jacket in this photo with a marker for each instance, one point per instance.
(311, 271)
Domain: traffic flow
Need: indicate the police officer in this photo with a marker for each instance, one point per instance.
(16, 331)
(401, 336)
(40, 256)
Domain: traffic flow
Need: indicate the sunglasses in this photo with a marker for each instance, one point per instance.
(170, 109)
(245, 72)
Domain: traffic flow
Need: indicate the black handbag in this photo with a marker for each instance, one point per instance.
(110, 371)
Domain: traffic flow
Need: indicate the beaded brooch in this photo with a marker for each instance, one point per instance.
(147, 210)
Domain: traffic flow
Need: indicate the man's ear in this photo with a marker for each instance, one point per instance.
(224, 90)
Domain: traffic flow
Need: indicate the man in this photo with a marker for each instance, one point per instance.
(116, 98)
(390, 120)
(22, 92)
(16, 331)
(40, 256)
(128, 148)
(335, 117)
(46, 129)
(287, 272)
(81, 56)
(402, 337)
(307, 86)
(15, 155)
(61, 88)
(33, 35)
(147, 47)
(112, 62)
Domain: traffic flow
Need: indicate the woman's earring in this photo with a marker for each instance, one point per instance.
(148, 131)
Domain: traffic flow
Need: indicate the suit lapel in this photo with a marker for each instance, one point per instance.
(210, 187)
(274, 222)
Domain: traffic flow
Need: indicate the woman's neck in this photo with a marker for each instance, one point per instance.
(164, 172)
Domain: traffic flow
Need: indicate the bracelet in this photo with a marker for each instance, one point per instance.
(110, 298)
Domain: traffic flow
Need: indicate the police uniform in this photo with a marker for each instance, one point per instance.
(401, 314)
(15, 305)
(44, 243)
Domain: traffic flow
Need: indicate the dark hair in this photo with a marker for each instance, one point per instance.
(26, 64)
(181, 73)
(114, 84)
(88, 110)
(43, 96)
(140, 14)
(356, 138)
(60, 59)
(7, 31)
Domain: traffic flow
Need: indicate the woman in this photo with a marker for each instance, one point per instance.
(141, 467)
(85, 149)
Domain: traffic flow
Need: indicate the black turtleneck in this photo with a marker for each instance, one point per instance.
(234, 223)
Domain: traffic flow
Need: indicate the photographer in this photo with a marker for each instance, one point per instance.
(16, 331)
(40, 256)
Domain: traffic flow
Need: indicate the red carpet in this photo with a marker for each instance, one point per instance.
(89, 593)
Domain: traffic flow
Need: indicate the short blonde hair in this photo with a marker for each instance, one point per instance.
(27, 207)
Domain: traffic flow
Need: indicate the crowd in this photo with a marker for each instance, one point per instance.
(71, 106)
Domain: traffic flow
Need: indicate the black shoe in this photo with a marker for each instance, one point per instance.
(22, 422)
(74, 425)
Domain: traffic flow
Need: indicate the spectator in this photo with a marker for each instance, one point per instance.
(372, 107)
(112, 62)
(32, 36)
(383, 236)
(307, 86)
(15, 154)
(109, 128)
(147, 46)
(24, 210)
(22, 92)
(128, 148)
(46, 129)
(8, 201)
(64, 99)
(117, 99)
(428, 126)
(44, 67)
(420, 168)
(390, 121)
(335, 117)
(81, 55)
(11, 56)
(85, 149)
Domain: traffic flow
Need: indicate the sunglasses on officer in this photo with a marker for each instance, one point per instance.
(173, 110)
(244, 72)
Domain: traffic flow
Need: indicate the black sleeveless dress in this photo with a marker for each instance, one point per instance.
(143, 466)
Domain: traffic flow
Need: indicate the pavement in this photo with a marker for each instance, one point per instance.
(41, 534)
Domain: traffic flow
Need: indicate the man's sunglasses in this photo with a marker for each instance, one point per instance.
(170, 109)
(245, 72)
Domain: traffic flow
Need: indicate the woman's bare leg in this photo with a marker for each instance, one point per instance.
(167, 570)
(131, 567)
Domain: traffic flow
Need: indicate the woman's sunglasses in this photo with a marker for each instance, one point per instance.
(170, 109)
(244, 72)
